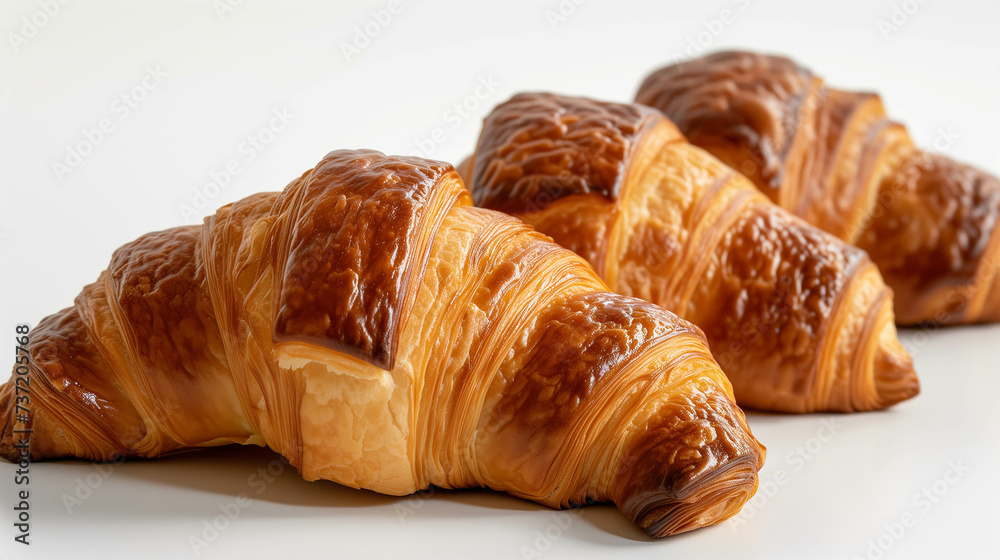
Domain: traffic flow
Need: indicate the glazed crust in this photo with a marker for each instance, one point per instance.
(935, 239)
(797, 319)
(746, 107)
(834, 158)
(379, 331)
(350, 296)
(581, 148)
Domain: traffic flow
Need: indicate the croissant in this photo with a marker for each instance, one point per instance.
(377, 330)
(798, 320)
(833, 158)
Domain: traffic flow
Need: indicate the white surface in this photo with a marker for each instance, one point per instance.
(225, 78)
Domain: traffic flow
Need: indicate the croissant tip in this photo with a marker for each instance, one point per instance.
(895, 378)
(706, 502)
(883, 373)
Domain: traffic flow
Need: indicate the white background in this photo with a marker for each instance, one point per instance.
(939, 71)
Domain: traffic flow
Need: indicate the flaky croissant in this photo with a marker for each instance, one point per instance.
(376, 329)
(832, 157)
(799, 320)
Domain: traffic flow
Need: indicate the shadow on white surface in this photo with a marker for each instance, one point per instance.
(226, 472)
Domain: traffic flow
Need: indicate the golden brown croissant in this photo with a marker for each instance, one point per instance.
(832, 157)
(376, 329)
(799, 320)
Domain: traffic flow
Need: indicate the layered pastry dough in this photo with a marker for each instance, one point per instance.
(835, 159)
(799, 320)
(376, 329)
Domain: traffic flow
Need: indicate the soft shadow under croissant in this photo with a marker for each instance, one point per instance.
(377, 330)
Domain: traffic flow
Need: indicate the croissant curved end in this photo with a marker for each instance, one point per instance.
(894, 377)
(48, 436)
(697, 472)
(714, 498)
(42, 436)
(11, 448)
(884, 374)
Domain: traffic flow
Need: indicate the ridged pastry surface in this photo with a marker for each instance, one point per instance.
(779, 301)
(834, 158)
(381, 332)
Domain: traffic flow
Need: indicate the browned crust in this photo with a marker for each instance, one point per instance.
(156, 290)
(765, 286)
(743, 107)
(587, 340)
(539, 147)
(689, 452)
(926, 220)
(352, 250)
(695, 456)
(832, 192)
(73, 399)
(142, 364)
(579, 223)
(935, 238)
(768, 306)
